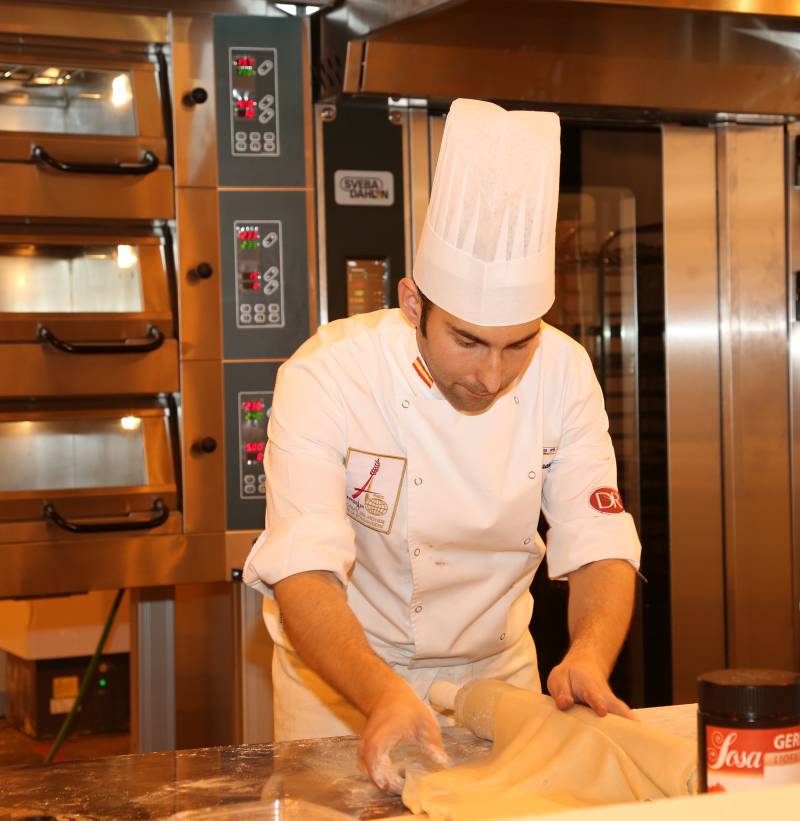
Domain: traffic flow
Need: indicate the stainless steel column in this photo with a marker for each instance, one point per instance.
(152, 670)
(793, 204)
(693, 406)
(755, 396)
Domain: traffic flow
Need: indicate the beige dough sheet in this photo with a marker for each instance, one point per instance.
(544, 760)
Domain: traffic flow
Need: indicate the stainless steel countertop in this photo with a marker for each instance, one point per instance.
(159, 785)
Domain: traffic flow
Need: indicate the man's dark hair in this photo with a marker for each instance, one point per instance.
(426, 309)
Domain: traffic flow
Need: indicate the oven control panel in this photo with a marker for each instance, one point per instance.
(248, 403)
(254, 408)
(262, 82)
(259, 295)
(254, 102)
(265, 261)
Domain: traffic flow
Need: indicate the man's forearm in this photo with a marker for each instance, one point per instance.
(328, 637)
(600, 608)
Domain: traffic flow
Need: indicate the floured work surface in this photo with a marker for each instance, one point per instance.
(324, 772)
(545, 760)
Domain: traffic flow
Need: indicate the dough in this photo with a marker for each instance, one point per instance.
(545, 760)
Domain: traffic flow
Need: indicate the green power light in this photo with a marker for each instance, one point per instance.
(103, 682)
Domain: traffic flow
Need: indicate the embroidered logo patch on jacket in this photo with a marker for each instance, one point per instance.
(606, 500)
(374, 482)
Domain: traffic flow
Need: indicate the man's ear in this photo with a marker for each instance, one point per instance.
(409, 300)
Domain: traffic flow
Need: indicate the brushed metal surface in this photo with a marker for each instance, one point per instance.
(584, 54)
(195, 126)
(755, 390)
(202, 416)
(205, 695)
(35, 369)
(200, 299)
(46, 19)
(793, 204)
(53, 567)
(321, 233)
(693, 405)
(29, 192)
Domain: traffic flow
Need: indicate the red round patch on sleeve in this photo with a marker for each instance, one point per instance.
(606, 500)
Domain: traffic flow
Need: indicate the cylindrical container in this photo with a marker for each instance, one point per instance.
(748, 729)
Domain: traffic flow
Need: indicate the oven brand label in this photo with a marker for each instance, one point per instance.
(364, 188)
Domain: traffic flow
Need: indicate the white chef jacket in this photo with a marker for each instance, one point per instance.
(426, 515)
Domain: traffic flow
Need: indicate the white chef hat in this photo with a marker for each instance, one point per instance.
(487, 250)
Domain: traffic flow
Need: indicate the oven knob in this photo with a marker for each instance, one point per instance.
(203, 271)
(206, 445)
(197, 96)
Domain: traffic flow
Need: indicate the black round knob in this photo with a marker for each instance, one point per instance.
(197, 96)
(207, 444)
(203, 271)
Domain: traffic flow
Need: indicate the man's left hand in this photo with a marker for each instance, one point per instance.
(580, 678)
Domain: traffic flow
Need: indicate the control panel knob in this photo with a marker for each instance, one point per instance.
(197, 96)
(203, 271)
(207, 444)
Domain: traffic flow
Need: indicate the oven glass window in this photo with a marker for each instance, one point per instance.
(70, 279)
(66, 100)
(72, 454)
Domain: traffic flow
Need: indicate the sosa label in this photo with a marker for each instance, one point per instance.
(741, 759)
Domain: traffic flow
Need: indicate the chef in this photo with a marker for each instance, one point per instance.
(410, 453)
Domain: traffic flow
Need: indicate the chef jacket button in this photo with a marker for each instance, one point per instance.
(527, 541)
(418, 608)
(416, 551)
(405, 403)
(516, 400)
(418, 480)
(502, 637)
(531, 474)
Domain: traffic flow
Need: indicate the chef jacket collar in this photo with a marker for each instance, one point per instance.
(416, 370)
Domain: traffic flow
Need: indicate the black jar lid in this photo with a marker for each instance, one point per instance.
(751, 695)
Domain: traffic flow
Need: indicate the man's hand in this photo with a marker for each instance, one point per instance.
(327, 636)
(600, 608)
(398, 715)
(585, 681)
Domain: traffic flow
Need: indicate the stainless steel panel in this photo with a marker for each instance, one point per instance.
(693, 406)
(30, 192)
(202, 417)
(45, 19)
(195, 123)
(199, 296)
(205, 682)
(322, 113)
(755, 387)
(585, 54)
(153, 670)
(419, 142)
(34, 369)
(55, 566)
(793, 204)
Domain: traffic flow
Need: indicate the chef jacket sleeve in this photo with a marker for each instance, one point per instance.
(306, 526)
(584, 464)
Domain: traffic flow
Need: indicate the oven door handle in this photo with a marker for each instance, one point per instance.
(149, 164)
(160, 510)
(155, 337)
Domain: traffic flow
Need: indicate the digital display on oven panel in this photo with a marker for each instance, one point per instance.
(254, 100)
(259, 274)
(254, 408)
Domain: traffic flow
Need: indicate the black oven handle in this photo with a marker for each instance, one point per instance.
(160, 510)
(149, 164)
(155, 337)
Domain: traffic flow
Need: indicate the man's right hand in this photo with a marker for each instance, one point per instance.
(398, 715)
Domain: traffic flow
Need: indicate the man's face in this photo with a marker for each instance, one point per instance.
(472, 364)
